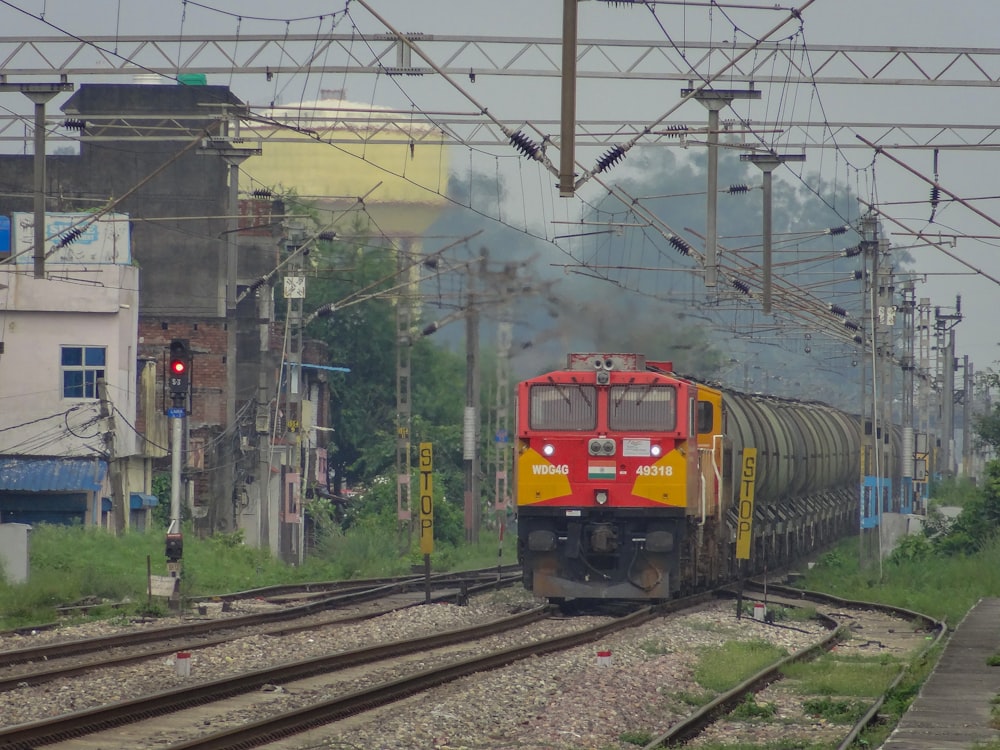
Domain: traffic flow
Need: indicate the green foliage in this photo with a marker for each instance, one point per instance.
(942, 586)
(952, 491)
(636, 738)
(835, 711)
(750, 709)
(693, 699)
(987, 428)
(911, 548)
(722, 668)
(653, 648)
(783, 744)
(161, 488)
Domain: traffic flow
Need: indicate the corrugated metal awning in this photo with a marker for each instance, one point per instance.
(140, 500)
(22, 474)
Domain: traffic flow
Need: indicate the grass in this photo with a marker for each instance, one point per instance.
(721, 669)
(944, 588)
(835, 711)
(779, 745)
(69, 564)
(832, 675)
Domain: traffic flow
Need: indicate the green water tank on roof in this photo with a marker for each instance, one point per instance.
(192, 79)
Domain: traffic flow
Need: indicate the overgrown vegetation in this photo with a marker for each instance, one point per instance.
(750, 709)
(73, 563)
(723, 668)
(836, 674)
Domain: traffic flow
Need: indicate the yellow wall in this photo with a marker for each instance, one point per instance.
(335, 175)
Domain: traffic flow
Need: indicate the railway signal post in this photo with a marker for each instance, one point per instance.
(179, 387)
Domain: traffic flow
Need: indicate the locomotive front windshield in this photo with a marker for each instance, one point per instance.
(563, 406)
(642, 407)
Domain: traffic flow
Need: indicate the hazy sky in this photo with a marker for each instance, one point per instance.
(962, 24)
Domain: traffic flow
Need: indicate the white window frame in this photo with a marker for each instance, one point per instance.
(90, 372)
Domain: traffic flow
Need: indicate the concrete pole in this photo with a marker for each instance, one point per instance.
(948, 407)
(39, 163)
(470, 437)
(567, 129)
(767, 163)
(967, 417)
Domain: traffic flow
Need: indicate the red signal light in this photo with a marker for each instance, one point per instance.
(178, 366)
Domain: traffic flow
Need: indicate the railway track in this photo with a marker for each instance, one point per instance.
(885, 626)
(73, 726)
(38, 664)
(267, 705)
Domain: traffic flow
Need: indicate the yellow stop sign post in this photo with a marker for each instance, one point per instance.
(426, 467)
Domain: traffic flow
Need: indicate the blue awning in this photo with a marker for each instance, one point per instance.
(140, 500)
(22, 474)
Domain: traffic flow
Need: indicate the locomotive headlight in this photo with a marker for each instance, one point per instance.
(601, 497)
(655, 450)
(548, 449)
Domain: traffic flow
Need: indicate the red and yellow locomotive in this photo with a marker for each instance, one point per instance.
(624, 478)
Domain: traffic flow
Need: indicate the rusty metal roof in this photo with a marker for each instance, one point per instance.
(23, 474)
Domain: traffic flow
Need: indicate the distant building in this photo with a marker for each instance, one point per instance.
(68, 376)
(201, 268)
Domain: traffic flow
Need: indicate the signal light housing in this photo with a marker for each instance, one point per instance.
(179, 369)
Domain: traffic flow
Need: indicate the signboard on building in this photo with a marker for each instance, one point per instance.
(73, 238)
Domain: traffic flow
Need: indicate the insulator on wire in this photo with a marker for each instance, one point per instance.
(858, 275)
(80, 125)
(935, 195)
(833, 231)
(850, 325)
(838, 310)
(611, 157)
(261, 194)
(676, 130)
(737, 189)
(850, 252)
(741, 286)
(524, 144)
(257, 284)
(679, 245)
(858, 340)
(70, 237)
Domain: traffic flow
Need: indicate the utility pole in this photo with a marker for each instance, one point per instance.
(501, 433)
(295, 292)
(907, 310)
(885, 324)
(966, 416)
(922, 440)
(870, 500)
(119, 509)
(768, 163)
(945, 328)
(567, 128)
(404, 408)
(470, 432)
(714, 100)
(39, 94)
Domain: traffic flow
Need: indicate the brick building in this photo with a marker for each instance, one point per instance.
(160, 154)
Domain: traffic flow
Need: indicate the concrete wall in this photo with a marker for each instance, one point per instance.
(76, 306)
(14, 548)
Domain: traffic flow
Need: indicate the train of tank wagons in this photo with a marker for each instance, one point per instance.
(635, 483)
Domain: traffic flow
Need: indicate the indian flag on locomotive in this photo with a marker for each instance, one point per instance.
(597, 470)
